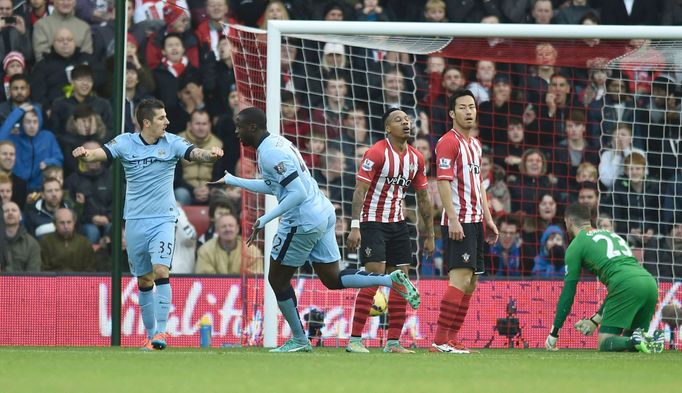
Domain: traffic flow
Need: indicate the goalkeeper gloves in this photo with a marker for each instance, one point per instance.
(552, 338)
(588, 326)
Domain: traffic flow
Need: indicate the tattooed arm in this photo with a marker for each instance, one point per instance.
(201, 155)
(424, 206)
(361, 189)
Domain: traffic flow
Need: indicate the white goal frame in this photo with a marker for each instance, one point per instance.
(277, 28)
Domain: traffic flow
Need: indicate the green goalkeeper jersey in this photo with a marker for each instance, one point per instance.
(602, 252)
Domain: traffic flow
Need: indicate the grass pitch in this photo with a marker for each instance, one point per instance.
(326, 370)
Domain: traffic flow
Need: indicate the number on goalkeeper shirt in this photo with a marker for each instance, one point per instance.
(620, 247)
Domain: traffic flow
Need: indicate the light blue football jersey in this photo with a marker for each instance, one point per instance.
(149, 171)
(280, 162)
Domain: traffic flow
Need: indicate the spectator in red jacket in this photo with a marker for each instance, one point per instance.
(177, 22)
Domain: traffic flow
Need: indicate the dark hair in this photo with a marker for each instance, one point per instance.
(171, 35)
(19, 77)
(146, 110)
(387, 114)
(578, 213)
(82, 111)
(511, 219)
(588, 185)
(51, 179)
(81, 71)
(200, 112)
(452, 100)
(255, 116)
(333, 6)
(515, 121)
(450, 68)
(577, 116)
(590, 15)
(288, 97)
(220, 202)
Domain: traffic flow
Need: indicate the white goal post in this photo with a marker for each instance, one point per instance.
(323, 29)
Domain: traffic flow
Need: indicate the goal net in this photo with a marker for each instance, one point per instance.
(561, 121)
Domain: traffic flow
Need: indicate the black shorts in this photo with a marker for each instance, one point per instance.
(385, 242)
(465, 253)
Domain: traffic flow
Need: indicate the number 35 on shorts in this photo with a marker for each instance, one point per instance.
(165, 249)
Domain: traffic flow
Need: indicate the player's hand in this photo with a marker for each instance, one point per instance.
(216, 153)
(254, 233)
(492, 234)
(80, 152)
(223, 180)
(586, 327)
(354, 239)
(429, 245)
(550, 343)
(455, 230)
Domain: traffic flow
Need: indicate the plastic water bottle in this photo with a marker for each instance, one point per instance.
(205, 330)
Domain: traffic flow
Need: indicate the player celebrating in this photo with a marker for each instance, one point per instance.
(306, 230)
(632, 291)
(149, 158)
(465, 206)
(378, 226)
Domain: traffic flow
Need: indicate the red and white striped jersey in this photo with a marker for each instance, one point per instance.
(458, 160)
(389, 173)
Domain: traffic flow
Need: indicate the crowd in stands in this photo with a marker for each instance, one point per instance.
(553, 133)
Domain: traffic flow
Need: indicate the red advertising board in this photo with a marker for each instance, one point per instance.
(75, 311)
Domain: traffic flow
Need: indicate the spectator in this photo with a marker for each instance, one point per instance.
(84, 125)
(326, 118)
(494, 180)
(65, 250)
(664, 258)
(192, 176)
(211, 31)
(588, 195)
(452, 80)
(133, 61)
(35, 11)
(13, 64)
(19, 93)
(534, 87)
(191, 98)
(497, 115)
(663, 135)
(543, 214)
(218, 206)
(573, 13)
(550, 261)
(517, 11)
(52, 75)
(635, 12)
(605, 221)
(45, 30)
(275, 10)
(596, 84)
(218, 77)
(134, 93)
(104, 254)
(184, 253)
(587, 172)
(506, 253)
(542, 12)
(39, 217)
(635, 202)
(177, 23)
(556, 109)
(174, 66)
(13, 37)
(152, 11)
(94, 183)
(5, 188)
(82, 79)
(571, 152)
(22, 248)
(294, 127)
(36, 147)
(611, 161)
(470, 11)
(335, 180)
(508, 151)
(354, 134)
(435, 11)
(615, 107)
(485, 73)
(223, 254)
(371, 11)
(8, 159)
(95, 12)
(527, 188)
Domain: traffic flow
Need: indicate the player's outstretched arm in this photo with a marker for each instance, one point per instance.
(254, 185)
(425, 208)
(87, 155)
(201, 155)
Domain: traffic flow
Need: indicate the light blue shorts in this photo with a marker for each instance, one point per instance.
(293, 248)
(149, 242)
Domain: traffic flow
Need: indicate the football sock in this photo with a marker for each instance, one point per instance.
(363, 303)
(616, 344)
(396, 315)
(288, 306)
(163, 303)
(146, 301)
(459, 318)
(352, 278)
(449, 306)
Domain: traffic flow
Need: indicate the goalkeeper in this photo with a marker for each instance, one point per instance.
(632, 291)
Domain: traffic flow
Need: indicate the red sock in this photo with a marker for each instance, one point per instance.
(363, 302)
(448, 311)
(396, 315)
(459, 318)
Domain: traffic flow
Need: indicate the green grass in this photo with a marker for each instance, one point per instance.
(100, 370)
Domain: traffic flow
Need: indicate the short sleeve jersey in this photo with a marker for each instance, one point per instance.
(149, 171)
